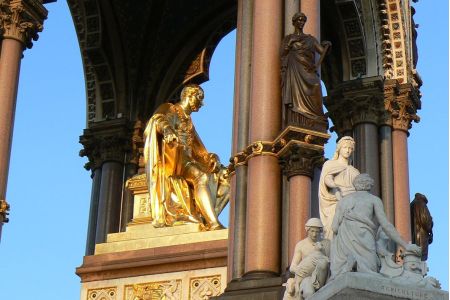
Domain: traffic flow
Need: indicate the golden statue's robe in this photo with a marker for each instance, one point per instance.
(171, 195)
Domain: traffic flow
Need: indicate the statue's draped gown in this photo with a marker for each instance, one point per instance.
(343, 176)
(301, 89)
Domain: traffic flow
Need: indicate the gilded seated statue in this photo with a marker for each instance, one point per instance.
(186, 183)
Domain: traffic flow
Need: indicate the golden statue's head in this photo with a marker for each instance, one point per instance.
(193, 95)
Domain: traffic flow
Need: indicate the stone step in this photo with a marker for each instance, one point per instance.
(160, 241)
(143, 231)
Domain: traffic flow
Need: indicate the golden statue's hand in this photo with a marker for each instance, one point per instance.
(170, 137)
(214, 162)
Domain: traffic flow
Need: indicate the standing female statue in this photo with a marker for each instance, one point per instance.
(336, 181)
(301, 89)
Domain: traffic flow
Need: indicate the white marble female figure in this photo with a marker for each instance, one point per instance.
(336, 181)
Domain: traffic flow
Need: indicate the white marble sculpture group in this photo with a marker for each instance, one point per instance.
(356, 234)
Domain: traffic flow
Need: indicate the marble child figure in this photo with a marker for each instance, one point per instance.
(336, 181)
(310, 262)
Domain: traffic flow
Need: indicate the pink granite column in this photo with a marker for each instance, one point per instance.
(300, 185)
(311, 8)
(263, 226)
(10, 57)
(238, 201)
(299, 210)
(401, 183)
(20, 22)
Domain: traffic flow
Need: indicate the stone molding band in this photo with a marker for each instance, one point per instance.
(298, 150)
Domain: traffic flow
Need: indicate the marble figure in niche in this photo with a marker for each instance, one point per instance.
(336, 181)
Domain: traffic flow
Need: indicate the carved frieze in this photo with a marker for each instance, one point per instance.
(170, 290)
(291, 137)
(22, 20)
(106, 293)
(202, 288)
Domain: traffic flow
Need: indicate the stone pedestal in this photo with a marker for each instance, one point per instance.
(253, 289)
(145, 262)
(360, 286)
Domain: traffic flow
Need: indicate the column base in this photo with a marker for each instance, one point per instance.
(254, 286)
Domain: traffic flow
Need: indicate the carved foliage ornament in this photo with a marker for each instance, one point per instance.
(4, 211)
(109, 293)
(22, 20)
(169, 290)
(202, 288)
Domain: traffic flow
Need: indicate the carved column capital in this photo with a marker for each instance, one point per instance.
(401, 102)
(107, 141)
(21, 20)
(300, 160)
(354, 102)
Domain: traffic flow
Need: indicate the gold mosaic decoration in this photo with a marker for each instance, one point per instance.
(202, 288)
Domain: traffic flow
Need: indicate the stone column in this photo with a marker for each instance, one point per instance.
(20, 22)
(386, 175)
(238, 205)
(403, 106)
(298, 166)
(366, 152)
(108, 219)
(134, 160)
(263, 234)
(126, 209)
(311, 8)
(106, 145)
(401, 183)
(93, 211)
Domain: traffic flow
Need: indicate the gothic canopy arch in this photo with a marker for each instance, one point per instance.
(136, 53)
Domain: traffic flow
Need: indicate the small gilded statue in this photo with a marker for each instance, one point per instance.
(186, 183)
(421, 224)
(301, 89)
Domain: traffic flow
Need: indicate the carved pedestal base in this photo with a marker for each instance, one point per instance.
(190, 271)
(253, 289)
(360, 286)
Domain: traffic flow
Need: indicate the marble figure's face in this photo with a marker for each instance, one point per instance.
(314, 233)
(346, 150)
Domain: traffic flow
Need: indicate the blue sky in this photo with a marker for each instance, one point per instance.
(49, 191)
